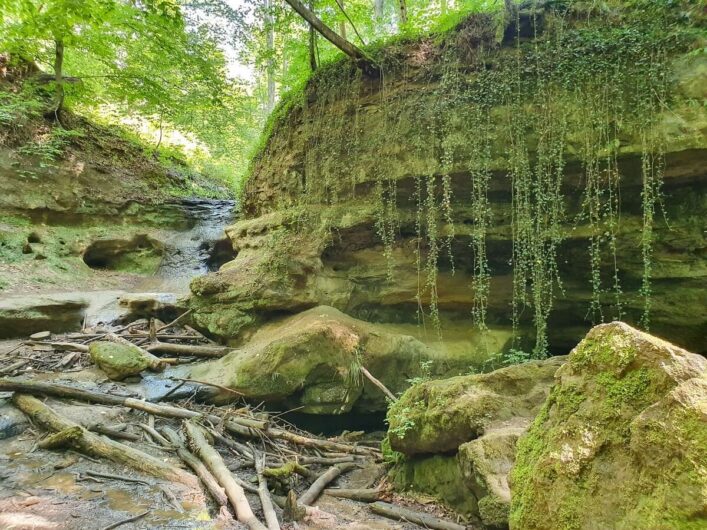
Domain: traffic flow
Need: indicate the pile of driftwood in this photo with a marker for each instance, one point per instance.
(272, 462)
(175, 342)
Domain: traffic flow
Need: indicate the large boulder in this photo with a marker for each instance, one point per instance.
(440, 415)
(20, 316)
(621, 441)
(312, 360)
(459, 435)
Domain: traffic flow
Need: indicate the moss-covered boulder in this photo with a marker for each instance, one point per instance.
(484, 464)
(437, 476)
(465, 429)
(621, 441)
(118, 361)
(440, 415)
(312, 360)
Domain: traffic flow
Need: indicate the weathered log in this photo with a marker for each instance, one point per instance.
(307, 460)
(405, 514)
(14, 366)
(154, 435)
(112, 432)
(64, 391)
(287, 470)
(218, 468)
(264, 493)
(315, 490)
(87, 442)
(362, 495)
(196, 465)
(326, 445)
(188, 349)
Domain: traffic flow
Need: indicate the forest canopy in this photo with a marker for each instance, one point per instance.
(200, 74)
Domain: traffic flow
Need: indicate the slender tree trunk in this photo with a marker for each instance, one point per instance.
(270, 44)
(402, 11)
(362, 60)
(378, 8)
(58, 77)
(342, 23)
(443, 7)
(312, 42)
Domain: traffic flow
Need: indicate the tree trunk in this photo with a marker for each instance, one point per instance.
(312, 45)
(342, 23)
(362, 60)
(58, 77)
(378, 8)
(270, 45)
(402, 11)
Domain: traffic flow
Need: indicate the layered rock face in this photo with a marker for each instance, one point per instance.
(621, 441)
(361, 201)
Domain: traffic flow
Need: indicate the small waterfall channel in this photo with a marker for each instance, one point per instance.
(199, 249)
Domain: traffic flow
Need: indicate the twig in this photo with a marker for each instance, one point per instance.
(115, 477)
(175, 321)
(128, 520)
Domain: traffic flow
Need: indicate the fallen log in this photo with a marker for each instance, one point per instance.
(287, 470)
(361, 495)
(216, 465)
(188, 349)
(14, 366)
(405, 514)
(316, 443)
(264, 493)
(84, 441)
(315, 490)
(196, 465)
(308, 460)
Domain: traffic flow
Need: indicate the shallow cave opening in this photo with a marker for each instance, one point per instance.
(139, 254)
(219, 253)
(336, 424)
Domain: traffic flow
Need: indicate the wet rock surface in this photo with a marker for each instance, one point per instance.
(24, 315)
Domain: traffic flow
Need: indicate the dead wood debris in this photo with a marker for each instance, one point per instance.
(283, 470)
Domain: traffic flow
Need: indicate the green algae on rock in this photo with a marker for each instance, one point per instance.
(620, 442)
(445, 413)
(312, 361)
(118, 361)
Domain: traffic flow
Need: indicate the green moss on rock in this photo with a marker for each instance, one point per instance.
(437, 476)
(118, 361)
(620, 442)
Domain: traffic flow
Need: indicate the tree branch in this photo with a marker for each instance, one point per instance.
(363, 61)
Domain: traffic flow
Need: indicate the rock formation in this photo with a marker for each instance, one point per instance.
(360, 199)
(458, 435)
(312, 362)
(621, 441)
